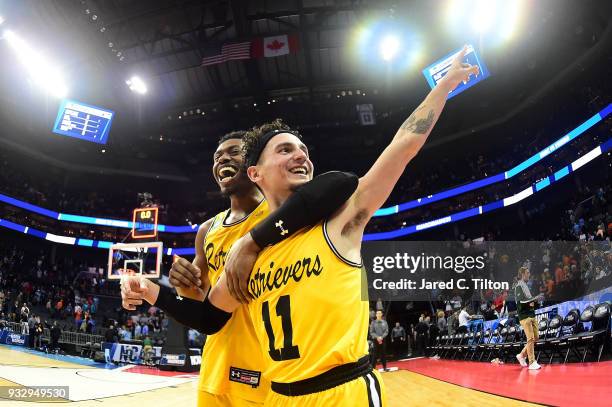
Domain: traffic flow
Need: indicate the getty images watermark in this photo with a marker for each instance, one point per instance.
(426, 271)
(423, 262)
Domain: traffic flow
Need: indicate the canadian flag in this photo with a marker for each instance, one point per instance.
(275, 46)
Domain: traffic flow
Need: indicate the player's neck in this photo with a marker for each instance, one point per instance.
(242, 204)
(277, 199)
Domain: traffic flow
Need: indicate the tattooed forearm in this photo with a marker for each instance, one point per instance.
(421, 125)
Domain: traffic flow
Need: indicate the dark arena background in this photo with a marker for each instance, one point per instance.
(111, 111)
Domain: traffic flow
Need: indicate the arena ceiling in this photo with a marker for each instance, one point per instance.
(102, 42)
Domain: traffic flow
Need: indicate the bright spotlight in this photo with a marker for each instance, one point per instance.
(40, 70)
(389, 47)
(137, 85)
(483, 16)
(1, 20)
(514, 11)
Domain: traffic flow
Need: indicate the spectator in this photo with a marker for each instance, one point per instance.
(191, 337)
(410, 339)
(398, 339)
(58, 308)
(145, 330)
(25, 328)
(147, 350)
(31, 327)
(464, 319)
(56, 333)
(501, 309)
(442, 324)
(25, 312)
(137, 331)
(125, 334)
(433, 331)
(453, 323)
(379, 329)
(421, 332)
(38, 331)
(111, 335)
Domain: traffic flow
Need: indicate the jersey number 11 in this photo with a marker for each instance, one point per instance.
(283, 310)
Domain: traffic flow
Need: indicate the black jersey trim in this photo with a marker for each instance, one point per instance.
(336, 252)
(226, 225)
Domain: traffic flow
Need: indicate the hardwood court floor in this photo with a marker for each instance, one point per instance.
(404, 388)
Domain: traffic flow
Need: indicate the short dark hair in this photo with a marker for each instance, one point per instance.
(238, 134)
(251, 145)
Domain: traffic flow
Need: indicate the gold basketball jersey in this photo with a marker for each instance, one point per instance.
(231, 360)
(308, 314)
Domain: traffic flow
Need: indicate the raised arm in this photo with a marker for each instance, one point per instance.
(376, 185)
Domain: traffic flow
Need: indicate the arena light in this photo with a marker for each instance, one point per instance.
(389, 47)
(40, 70)
(513, 13)
(483, 15)
(137, 85)
(499, 20)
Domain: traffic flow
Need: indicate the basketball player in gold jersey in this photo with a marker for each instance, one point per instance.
(224, 350)
(309, 312)
(230, 373)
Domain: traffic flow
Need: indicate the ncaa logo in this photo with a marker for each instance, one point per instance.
(15, 339)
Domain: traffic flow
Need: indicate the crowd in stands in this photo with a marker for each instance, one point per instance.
(561, 270)
(68, 296)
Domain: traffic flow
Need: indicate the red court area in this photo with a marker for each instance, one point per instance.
(572, 384)
(154, 371)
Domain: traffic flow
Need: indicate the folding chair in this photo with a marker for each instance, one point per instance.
(569, 329)
(599, 336)
(554, 328)
(485, 340)
(490, 346)
(542, 332)
(476, 341)
(499, 346)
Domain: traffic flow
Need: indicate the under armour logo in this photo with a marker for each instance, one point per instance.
(279, 224)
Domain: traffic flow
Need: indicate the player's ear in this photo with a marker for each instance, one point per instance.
(253, 173)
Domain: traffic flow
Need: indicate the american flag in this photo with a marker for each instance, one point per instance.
(227, 52)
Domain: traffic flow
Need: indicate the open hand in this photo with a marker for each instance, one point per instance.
(459, 71)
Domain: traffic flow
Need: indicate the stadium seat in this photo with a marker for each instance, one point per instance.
(463, 350)
(491, 344)
(481, 348)
(499, 345)
(435, 348)
(519, 342)
(542, 329)
(554, 327)
(475, 343)
(598, 338)
(573, 342)
(458, 346)
(506, 348)
(568, 329)
(448, 346)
